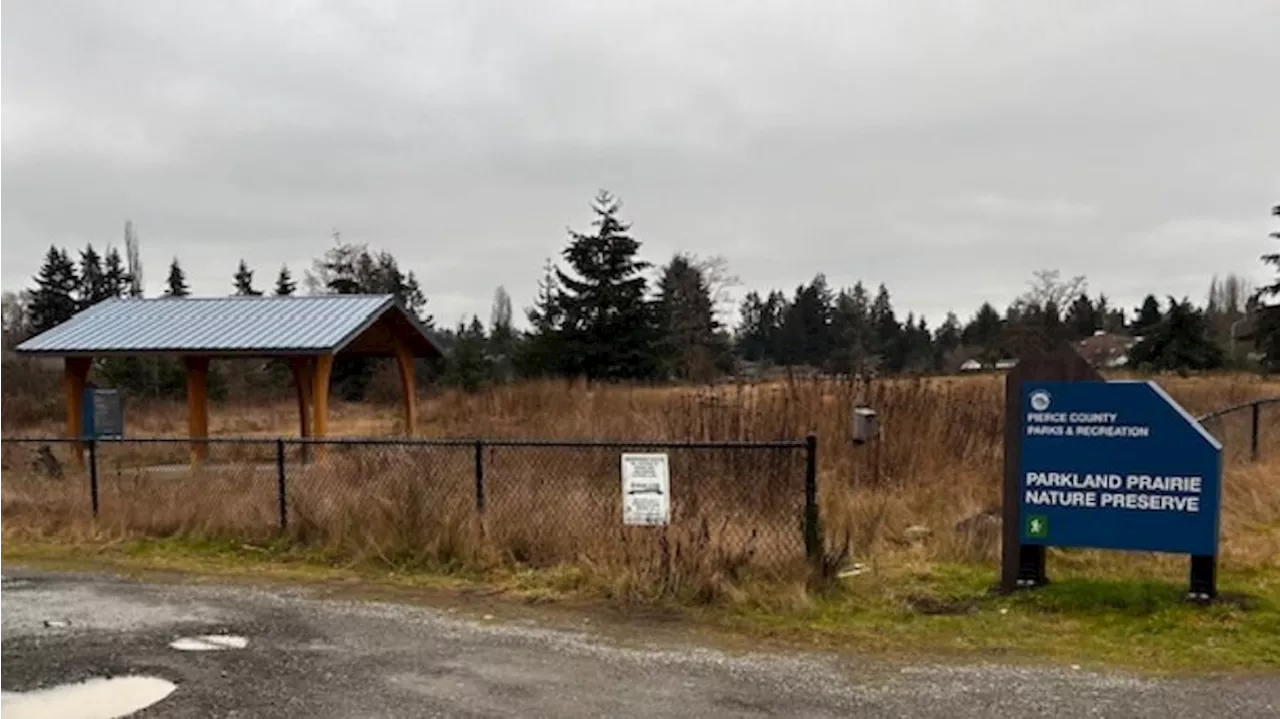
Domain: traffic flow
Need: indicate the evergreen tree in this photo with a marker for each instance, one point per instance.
(886, 332)
(984, 333)
(1111, 318)
(1267, 331)
(1148, 315)
(469, 365)
(176, 283)
(285, 286)
(116, 277)
(760, 328)
(1083, 318)
(53, 301)
(94, 285)
(691, 346)
(538, 354)
(1031, 327)
(352, 269)
(609, 329)
(946, 342)
(749, 337)
(1272, 289)
(244, 281)
(805, 335)
(917, 344)
(850, 330)
(1179, 342)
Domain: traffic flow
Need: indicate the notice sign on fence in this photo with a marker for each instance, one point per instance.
(103, 413)
(646, 489)
(1116, 465)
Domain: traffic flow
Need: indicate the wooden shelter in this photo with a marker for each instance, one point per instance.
(307, 332)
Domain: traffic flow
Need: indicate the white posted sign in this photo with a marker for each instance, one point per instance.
(646, 489)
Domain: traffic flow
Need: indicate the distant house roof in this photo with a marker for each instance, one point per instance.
(237, 326)
(1106, 349)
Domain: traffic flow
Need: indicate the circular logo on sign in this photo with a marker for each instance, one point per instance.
(1040, 400)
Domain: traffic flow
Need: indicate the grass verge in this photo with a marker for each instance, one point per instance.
(1091, 615)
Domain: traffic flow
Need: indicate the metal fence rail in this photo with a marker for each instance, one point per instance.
(1255, 420)
(539, 500)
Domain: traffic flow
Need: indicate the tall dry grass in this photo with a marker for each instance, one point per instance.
(927, 490)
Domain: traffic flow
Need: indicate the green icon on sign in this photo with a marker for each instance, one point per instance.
(1037, 526)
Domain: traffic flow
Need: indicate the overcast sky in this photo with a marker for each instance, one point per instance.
(947, 149)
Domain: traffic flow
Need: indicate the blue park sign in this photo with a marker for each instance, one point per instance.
(1116, 465)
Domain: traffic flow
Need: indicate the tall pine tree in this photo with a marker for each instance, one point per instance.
(610, 329)
(115, 275)
(850, 330)
(285, 286)
(984, 333)
(351, 269)
(470, 366)
(886, 333)
(692, 347)
(243, 281)
(94, 285)
(946, 342)
(1083, 318)
(539, 353)
(760, 326)
(53, 301)
(176, 282)
(1267, 331)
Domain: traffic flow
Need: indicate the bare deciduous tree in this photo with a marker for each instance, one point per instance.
(1048, 288)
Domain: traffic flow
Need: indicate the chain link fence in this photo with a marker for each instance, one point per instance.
(535, 503)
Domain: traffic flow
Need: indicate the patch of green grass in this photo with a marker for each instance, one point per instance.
(1094, 615)
(1088, 620)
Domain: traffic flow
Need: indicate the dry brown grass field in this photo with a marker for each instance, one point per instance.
(901, 500)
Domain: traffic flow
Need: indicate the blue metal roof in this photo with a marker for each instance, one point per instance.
(218, 325)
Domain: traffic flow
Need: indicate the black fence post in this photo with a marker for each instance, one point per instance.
(1253, 436)
(479, 448)
(280, 485)
(93, 475)
(812, 533)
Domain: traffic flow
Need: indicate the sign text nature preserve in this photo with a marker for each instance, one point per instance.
(1115, 465)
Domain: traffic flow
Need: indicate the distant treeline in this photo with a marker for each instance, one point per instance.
(598, 314)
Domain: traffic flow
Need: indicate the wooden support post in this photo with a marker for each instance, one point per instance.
(320, 397)
(302, 382)
(75, 375)
(408, 387)
(302, 369)
(198, 405)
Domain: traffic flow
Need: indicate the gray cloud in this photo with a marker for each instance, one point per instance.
(945, 149)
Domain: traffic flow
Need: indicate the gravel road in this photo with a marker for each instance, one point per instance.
(317, 657)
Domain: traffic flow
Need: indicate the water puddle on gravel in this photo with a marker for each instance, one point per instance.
(209, 643)
(97, 698)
